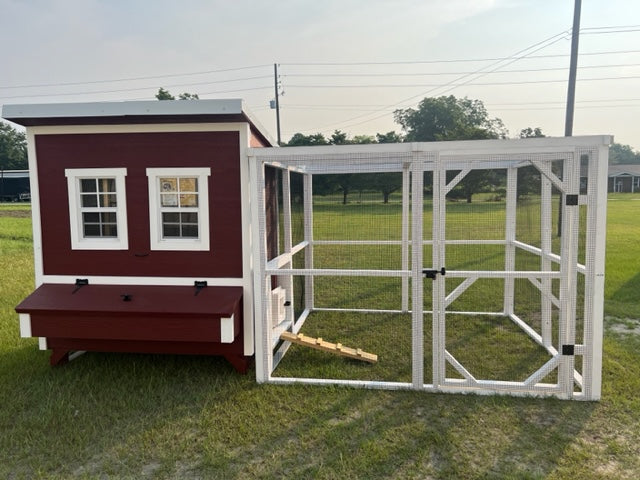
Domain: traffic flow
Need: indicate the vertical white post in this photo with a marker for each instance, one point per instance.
(405, 234)
(308, 236)
(594, 281)
(510, 237)
(38, 259)
(261, 286)
(287, 282)
(438, 261)
(417, 298)
(568, 267)
(546, 231)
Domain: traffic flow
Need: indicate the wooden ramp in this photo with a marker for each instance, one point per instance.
(335, 348)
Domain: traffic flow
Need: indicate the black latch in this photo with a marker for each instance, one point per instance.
(571, 200)
(287, 303)
(199, 284)
(429, 273)
(126, 297)
(80, 282)
(568, 349)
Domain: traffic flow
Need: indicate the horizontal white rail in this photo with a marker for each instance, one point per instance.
(549, 256)
(410, 242)
(281, 260)
(331, 272)
(502, 274)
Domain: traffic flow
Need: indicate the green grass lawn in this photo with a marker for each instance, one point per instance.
(148, 416)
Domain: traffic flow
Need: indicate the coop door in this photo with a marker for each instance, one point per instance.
(503, 312)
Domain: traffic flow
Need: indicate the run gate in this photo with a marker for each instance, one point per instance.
(473, 266)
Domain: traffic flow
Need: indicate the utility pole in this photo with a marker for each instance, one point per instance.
(573, 68)
(276, 84)
(571, 90)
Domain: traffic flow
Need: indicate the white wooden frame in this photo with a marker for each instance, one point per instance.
(156, 240)
(411, 160)
(78, 240)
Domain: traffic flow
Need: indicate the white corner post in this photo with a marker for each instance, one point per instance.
(261, 304)
(417, 297)
(440, 189)
(595, 272)
(308, 237)
(546, 229)
(569, 271)
(406, 186)
(510, 237)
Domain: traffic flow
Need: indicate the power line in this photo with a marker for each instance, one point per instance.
(563, 107)
(459, 60)
(129, 90)
(153, 77)
(206, 72)
(400, 74)
(454, 85)
(513, 58)
(360, 105)
(137, 89)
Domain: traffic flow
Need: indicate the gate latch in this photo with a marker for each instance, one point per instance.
(431, 273)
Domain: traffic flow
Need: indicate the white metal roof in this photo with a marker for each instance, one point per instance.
(118, 109)
(31, 114)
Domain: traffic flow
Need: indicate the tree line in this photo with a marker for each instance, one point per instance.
(434, 119)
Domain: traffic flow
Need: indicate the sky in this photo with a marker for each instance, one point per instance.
(343, 64)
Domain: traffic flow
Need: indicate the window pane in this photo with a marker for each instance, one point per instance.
(190, 217)
(109, 230)
(170, 230)
(90, 218)
(91, 230)
(108, 200)
(188, 184)
(170, 218)
(169, 200)
(190, 231)
(89, 200)
(107, 184)
(189, 200)
(168, 184)
(88, 185)
(108, 217)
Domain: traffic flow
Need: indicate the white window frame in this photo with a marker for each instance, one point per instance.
(78, 240)
(155, 212)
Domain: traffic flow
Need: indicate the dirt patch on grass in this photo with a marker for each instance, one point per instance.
(15, 213)
(625, 326)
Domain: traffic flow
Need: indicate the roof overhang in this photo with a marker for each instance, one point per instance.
(134, 112)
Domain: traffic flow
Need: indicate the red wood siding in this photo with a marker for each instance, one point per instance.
(137, 151)
(159, 319)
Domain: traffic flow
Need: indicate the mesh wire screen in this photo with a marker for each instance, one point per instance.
(479, 224)
(501, 239)
(350, 211)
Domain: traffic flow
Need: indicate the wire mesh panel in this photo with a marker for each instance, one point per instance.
(357, 225)
(459, 266)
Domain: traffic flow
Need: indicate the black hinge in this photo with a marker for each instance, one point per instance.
(571, 200)
(199, 284)
(568, 349)
(80, 282)
(430, 273)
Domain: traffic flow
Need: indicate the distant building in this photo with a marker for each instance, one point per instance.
(624, 178)
(14, 185)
